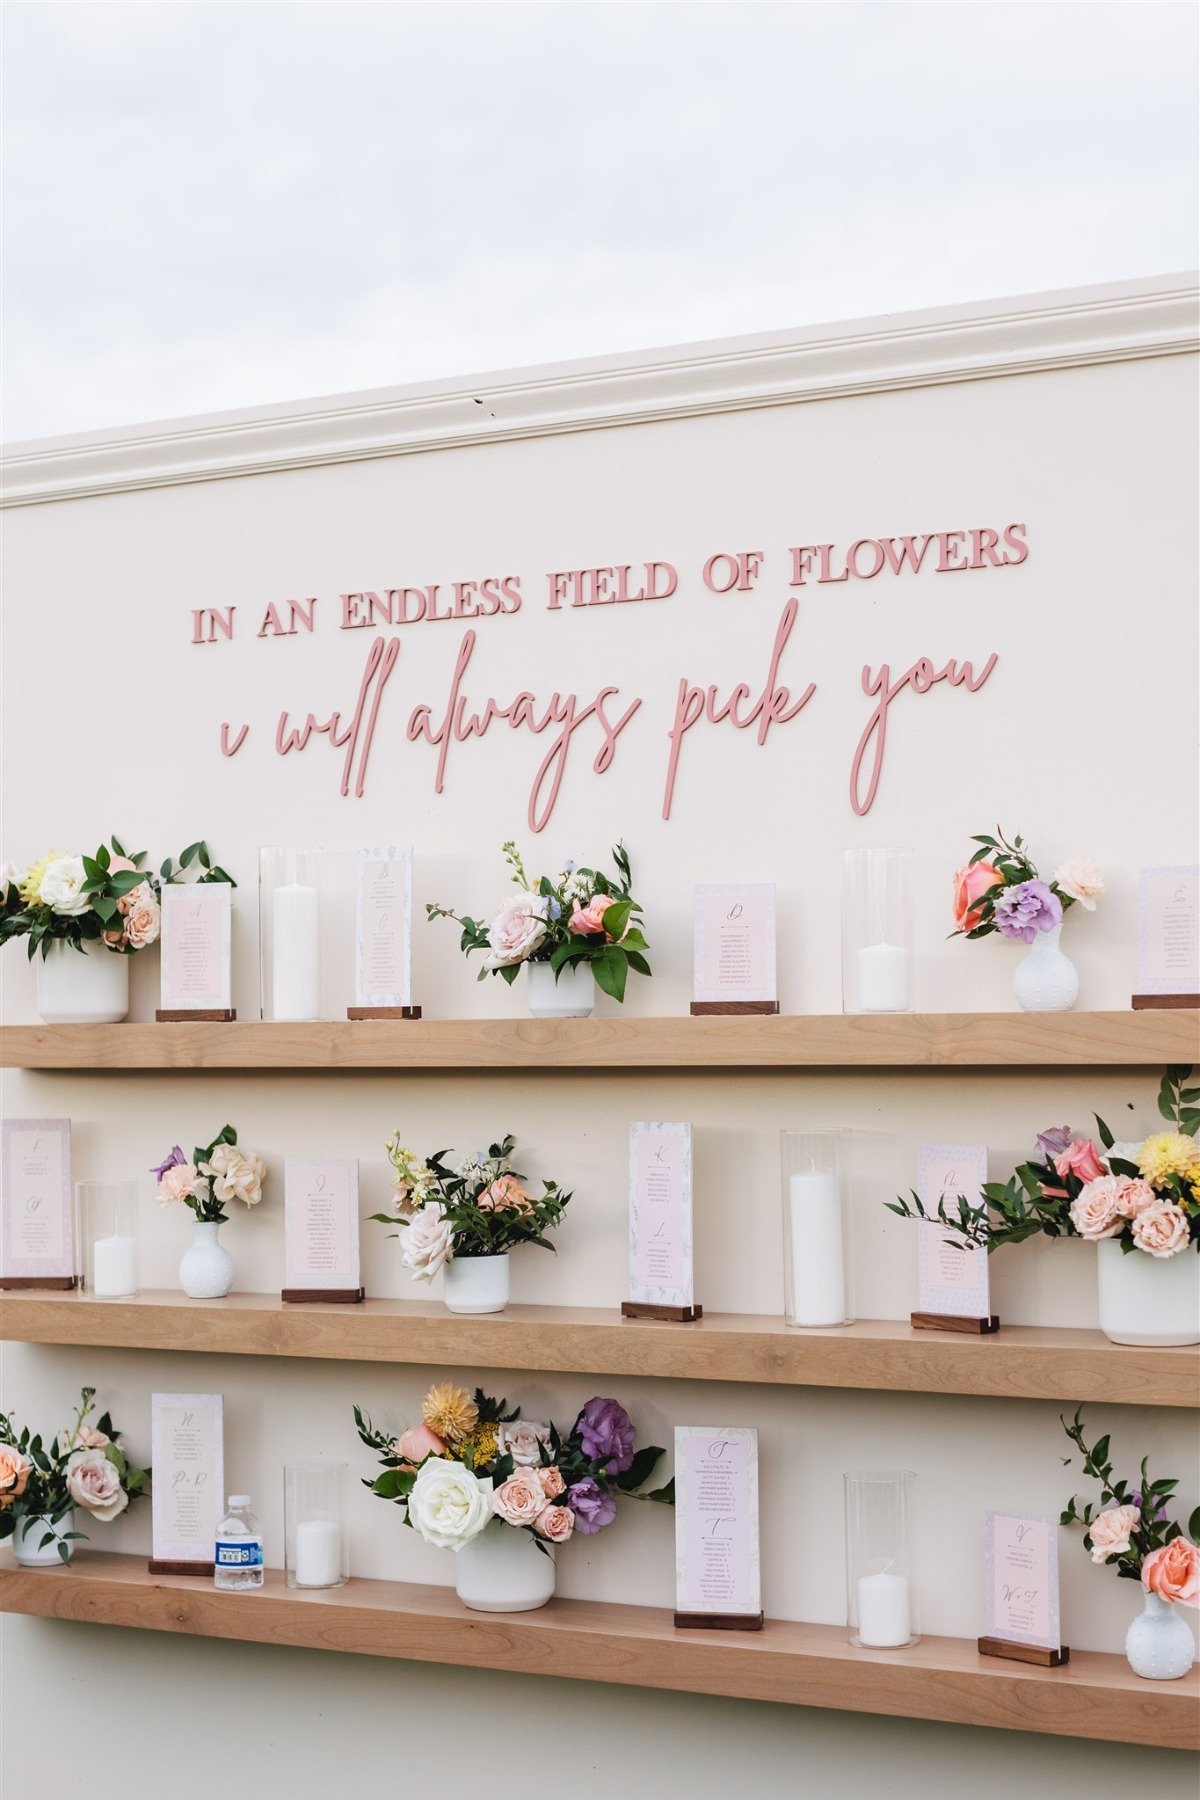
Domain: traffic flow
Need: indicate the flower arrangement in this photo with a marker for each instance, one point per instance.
(479, 1208)
(83, 1467)
(577, 916)
(218, 1173)
(999, 889)
(107, 897)
(1145, 1194)
(1130, 1527)
(470, 1461)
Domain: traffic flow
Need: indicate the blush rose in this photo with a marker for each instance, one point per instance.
(1161, 1229)
(555, 1524)
(1111, 1531)
(94, 1484)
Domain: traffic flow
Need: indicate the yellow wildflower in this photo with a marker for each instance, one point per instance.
(481, 1447)
(1168, 1153)
(31, 881)
(450, 1411)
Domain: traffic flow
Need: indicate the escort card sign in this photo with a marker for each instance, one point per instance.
(320, 1229)
(952, 1282)
(1022, 1591)
(196, 970)
(383, 935)
(37, 1235)
(734, 948)
(188, 1493)
(660, 1224)
(1169, 938)
(717, 1582)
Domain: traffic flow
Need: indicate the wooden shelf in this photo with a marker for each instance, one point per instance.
(945, 1679)
(1021, 1361)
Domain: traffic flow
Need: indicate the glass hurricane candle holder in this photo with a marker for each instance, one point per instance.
(314, 1532)
(108, 1214)
(818, 1266)
(877, 950)
(880, 1591)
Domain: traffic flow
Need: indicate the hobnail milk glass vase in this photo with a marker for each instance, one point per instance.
(206, 1270)
(502, 1570)
(1159, 1643)
(572, 996)
(1046, 979)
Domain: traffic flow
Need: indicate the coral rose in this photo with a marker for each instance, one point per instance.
(1161, 1229)
(15, 1470)
(1173, 1573)
(1081, 1159)
(418, 1442)
(969, 884)
(555, 1524)
(520, 1499)
(1096, 1211)
(588, 921)
(1111, 1531)
(505, 1194)
(94, 1484)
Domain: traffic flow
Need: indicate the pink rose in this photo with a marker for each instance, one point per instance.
(522, 1439)
(142, 918)
(94, 1484)
(1095, 1212)
(1173, 1573)
(120, 865)
(86, 1438)
(504, 1195)
(519, 1500)
(1081, 1159)
(15, 1470)
(552, 1481)
(179, 1182)
(1133, 1196)
(1111, 1531)
(1161, 1229)
(555, 1524)
(969, 885)
(418, 1442)
(588, 921)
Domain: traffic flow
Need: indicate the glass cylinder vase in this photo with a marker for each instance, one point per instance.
(108, 1218)
(881, 1610)
(877, 948)
(314, 1531)
(817, 1240)
(289, 933)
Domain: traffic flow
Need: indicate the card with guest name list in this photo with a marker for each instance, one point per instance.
(716, 1524)
(37, 1220)
(196, 968)
(660, 1215)
(734, 942)
(1022, 1580)
(320, 1224)
(950, 1280)
(188, 1491)
(1169, 930)
(383, 943)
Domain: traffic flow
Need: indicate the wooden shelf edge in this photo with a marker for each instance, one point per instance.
(941, 1679)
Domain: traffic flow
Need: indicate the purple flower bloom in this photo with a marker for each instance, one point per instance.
(1026, 909)
(172, 1162)
(594, 1507)
(1053, 1142)
(606, 1435)
(555, 910)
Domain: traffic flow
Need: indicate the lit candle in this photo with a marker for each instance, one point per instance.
(883, 1617)
(818, 1269)
(318, 1553)
(295, 953)
(883, 978)
(114, 1266)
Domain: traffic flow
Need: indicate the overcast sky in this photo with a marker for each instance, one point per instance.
(221, 204)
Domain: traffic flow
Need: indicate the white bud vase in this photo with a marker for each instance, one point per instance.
(206, 1270)
(1159, 1643)
(1046, 979)
(572, 996)
(475, 1284)
(27, 1536)
(502, 1571)
(82, 988)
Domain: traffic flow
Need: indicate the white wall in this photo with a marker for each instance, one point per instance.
(1081, 739)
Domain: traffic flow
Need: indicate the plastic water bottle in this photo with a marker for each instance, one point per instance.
(238, 1563)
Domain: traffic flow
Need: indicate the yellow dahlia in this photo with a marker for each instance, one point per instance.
(1168, 1153)
(31, 881)
(450, 1411)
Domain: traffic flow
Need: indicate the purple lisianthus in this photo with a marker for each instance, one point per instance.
(606, 1435)
(172, 1162)
(594, 1507)
(1026, 909)
(1053, 1142)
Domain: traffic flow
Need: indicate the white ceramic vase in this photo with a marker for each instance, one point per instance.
(1046, 979)
(503, 1571)
(1159, 1643)
(572, 996)
(28, 1533)
(475, 1284)
(206, 1270)
(1148, 1299)
(88, 988)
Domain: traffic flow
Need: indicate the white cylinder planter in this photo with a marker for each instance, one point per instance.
(503, 1571)
(572, 996)
(82, 988)
(28, 1533)
(1046, 980)
(1159, 1643)
(1153, 1300)
(476, 1284)
(206, 1270)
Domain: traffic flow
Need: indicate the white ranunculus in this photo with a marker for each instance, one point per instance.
(517, 931)
(61, 887)
(522, 1440)
(427, 1241)
(449, 1505)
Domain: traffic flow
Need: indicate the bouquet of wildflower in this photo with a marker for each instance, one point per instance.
(577, 916)
(1130, 1527)
(470, 1461)
(1146, 1194)
(107, 897)
(479, 1208)
(999, 889)
(83, 1466)
(218, 1172)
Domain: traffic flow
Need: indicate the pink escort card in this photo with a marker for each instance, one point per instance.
(37, 1234)
(1022, 1590)
(383, 960)
(188, 1494)
(734, 946)
(717, 1579)
(952, 1283)
(660, 1222)
(320, 1229)
(195, 973)
(1169, 931)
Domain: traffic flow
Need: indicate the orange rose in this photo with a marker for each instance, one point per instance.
(970, 884)
(1173, 1573)
(15, 1470)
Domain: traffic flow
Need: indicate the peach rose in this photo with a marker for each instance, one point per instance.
(1133, 1196)
(555, 1524)
(1173, 1573)
(552, 1482)
(520, 1499)
(1161, 1229)
(588, 921)
(142, 918)
(1081, 1159)
(179, 1182)
(970, 883)
(504, 1195)
(1111, 1531)
(94, 1484)
(15, 1470)
(418, 1442)
(1095, 1212)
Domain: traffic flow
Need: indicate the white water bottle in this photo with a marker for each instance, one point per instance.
(238, 1560)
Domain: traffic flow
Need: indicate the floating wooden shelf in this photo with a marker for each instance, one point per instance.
(946, 1679)
(1020, 1362)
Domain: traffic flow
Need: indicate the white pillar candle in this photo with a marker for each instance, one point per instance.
(883, 1615)
(318, 1553)
(818, 1267)
(295, 952)
(114, 1266)
(883, 978)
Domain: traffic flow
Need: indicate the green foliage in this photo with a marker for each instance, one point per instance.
(1179, 1104)
(1150, 1497)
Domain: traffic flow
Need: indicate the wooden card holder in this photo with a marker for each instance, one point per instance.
(1164, 1002)
(925, 1321)
(702, 1009)
(323, 1296)
(180, 1568)
(1026, 1653)
(682, 1315)
(383, 1012)
(182, 1015)
(62, 1284)
(690, 1621)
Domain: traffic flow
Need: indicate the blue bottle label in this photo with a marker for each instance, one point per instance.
(240, 1553)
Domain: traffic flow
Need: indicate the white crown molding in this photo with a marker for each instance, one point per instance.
(1156, 317)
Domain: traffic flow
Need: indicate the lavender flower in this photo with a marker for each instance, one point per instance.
(555, 911)
(1027, 909)
(594, 1507)
(172, 1162)
(606, 1435)
(1053, 1142)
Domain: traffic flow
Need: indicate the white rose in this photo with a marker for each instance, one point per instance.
(61, 887)
(449, 1505)
(522, 1440)
(236, 1174)
(93, 1483)
(10, 878)
(427, 1241)
(516, 932)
